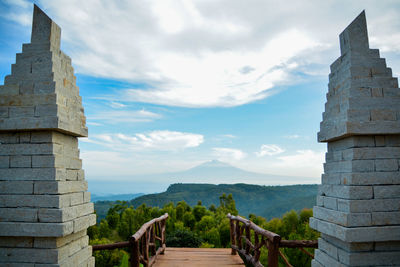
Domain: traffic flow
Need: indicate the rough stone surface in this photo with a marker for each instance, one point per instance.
(361, 254)
(41, 92)
(358, 203)
(353, 108)
(48, 242)
(44, 207)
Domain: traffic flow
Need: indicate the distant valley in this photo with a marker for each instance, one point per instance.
(272, 197)
(266, 201)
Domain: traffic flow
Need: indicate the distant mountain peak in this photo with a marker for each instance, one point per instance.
(214, 163)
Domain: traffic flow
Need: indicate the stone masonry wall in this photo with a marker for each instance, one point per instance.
(45, 208)
(358, 203)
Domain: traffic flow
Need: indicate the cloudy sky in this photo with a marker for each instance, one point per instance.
(170, 84)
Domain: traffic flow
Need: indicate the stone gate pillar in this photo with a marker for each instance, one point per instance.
(358, 203)
(44, 207)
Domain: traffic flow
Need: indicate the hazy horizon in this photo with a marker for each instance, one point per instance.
(210, 172)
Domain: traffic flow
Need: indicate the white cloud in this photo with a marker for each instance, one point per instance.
(383, 33)
(115, 104)
(228, 154)
(292, 136)
(104, 164)
(217, 79)
(123, 116)
(303, 158)
(299, 163)
(151, 141)
(303, 161)
(21, 12)
(19, 3)
(209, 53)
(20, 18)
(187, 55)
(231, 136)
(94, 123)
(269, 150)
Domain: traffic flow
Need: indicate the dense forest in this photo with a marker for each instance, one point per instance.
(197, 226)
(266, 201)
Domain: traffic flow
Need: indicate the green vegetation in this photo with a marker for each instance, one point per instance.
(106, 258)
(266, 201)
(196, 226)
(124, 261)
(102, 207)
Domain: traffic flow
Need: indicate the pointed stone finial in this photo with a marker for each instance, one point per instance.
(44, 30)
(355, 36)
(41, 92)
(361, 86)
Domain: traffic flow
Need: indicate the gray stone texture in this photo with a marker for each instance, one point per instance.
(41, 92)
(45, 208)
(357, 104)
(358, 203)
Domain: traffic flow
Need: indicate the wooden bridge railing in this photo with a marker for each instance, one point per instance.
(250, 253)
(143, 244)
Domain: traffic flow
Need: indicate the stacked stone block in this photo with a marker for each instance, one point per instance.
(41, 92)
(358, 203)
(45, 208)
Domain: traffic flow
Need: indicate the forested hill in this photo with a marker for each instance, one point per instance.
(266, 201)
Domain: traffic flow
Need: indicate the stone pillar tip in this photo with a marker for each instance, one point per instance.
(44, 30)
(355, 36)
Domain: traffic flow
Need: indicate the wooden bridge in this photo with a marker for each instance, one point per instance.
(198, 257)
(147, 247)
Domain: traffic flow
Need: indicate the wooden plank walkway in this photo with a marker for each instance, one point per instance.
(198, 257)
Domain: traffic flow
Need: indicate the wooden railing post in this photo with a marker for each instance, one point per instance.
(134, 247)
(163, 245)
(248, 239)
(241, 228)
(143, 242)
(238, 236)
(273, 251)
(153, 248)
(145, 248)
(256, 251)
(232, 232)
